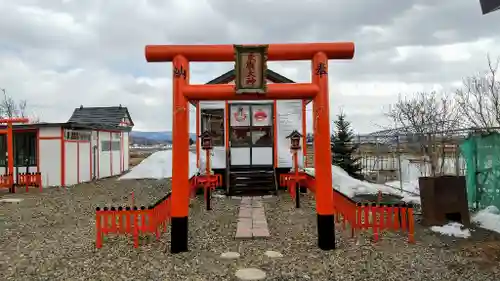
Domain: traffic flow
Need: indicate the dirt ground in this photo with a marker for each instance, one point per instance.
(51, 236)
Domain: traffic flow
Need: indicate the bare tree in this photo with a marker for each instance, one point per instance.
(11, 108)
(427, 119)
(479, 98)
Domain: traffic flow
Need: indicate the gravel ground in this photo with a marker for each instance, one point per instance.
(50, 236)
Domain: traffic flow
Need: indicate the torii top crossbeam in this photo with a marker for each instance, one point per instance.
(205, 53)
(13, 120)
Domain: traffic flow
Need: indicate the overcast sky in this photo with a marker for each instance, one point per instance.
(60, 54)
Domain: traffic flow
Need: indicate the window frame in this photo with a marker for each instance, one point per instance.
(258, 129)
(3, 150)
(110, 145)
(219, 138)
(248, 142)
(27, 140)
(77, 135)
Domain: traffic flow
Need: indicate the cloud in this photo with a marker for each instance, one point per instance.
(61, 54)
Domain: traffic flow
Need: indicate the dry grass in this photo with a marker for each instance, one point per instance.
(136, 157)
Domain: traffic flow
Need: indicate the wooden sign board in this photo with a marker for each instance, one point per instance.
(251, 67)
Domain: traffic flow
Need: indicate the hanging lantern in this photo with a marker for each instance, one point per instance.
(294, 137)
(206, 140)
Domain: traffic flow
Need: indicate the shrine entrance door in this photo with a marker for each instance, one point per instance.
(251, 134)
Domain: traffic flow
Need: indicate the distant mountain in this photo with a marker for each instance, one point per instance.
(156, 137)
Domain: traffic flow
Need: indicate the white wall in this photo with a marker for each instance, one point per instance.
(84, 162)
(71, 161)
(111, 163)
(104, 158)
(218, 152)
(50, 156)
(288, 118)
(126, 151)
(77, 161)
(79, 158)
(95, 155)
(49, 132)
(116, 156)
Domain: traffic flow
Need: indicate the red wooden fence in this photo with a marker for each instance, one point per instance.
(362, 216)
(30, 180)
(133, 221)
(6, 181)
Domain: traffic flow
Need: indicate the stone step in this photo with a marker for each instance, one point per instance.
(252, 222)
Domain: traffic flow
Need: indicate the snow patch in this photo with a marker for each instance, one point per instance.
(350, 186)
(488, 218)
(11, 200)
(452, 229)
(158, 166)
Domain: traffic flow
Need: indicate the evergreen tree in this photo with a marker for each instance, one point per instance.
(343, 148)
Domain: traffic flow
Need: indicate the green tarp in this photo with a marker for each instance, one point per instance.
(482, 160)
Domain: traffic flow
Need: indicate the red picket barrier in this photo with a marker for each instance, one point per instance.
(215, 179)
(30, 180)
(6, 181)
(207, 182)
(365, 216)
(133, 221)
(290, 180)
(380, 217)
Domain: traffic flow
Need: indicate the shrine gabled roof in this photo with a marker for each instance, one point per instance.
(109, 115)
(231, 74)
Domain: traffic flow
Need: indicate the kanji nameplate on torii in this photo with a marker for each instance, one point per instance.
(250, 66)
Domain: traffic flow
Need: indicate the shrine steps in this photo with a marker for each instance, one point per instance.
(248, 181)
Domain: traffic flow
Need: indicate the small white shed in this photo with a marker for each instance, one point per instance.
(93, 144)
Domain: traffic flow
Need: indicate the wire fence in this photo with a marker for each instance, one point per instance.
(405, 157)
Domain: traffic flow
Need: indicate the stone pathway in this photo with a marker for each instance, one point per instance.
(252, 221)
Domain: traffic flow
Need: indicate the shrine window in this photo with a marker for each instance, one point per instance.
(241, 137)
(212, 120)
(262, 136)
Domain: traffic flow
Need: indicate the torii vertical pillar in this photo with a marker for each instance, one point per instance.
(180, 157)
(10, 144)
(322, 154)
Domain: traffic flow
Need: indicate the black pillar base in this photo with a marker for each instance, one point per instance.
(179, 235)
(297, 196)
(209, 198)
(326, 232)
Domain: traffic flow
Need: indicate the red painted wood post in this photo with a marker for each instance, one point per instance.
(404, 221)
(396, 211)
(374, 222)
(98, 228)
(135, 228)
(128, 220)
(411, 226)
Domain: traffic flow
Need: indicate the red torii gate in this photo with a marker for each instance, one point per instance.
(181, 55)
(10, 146)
